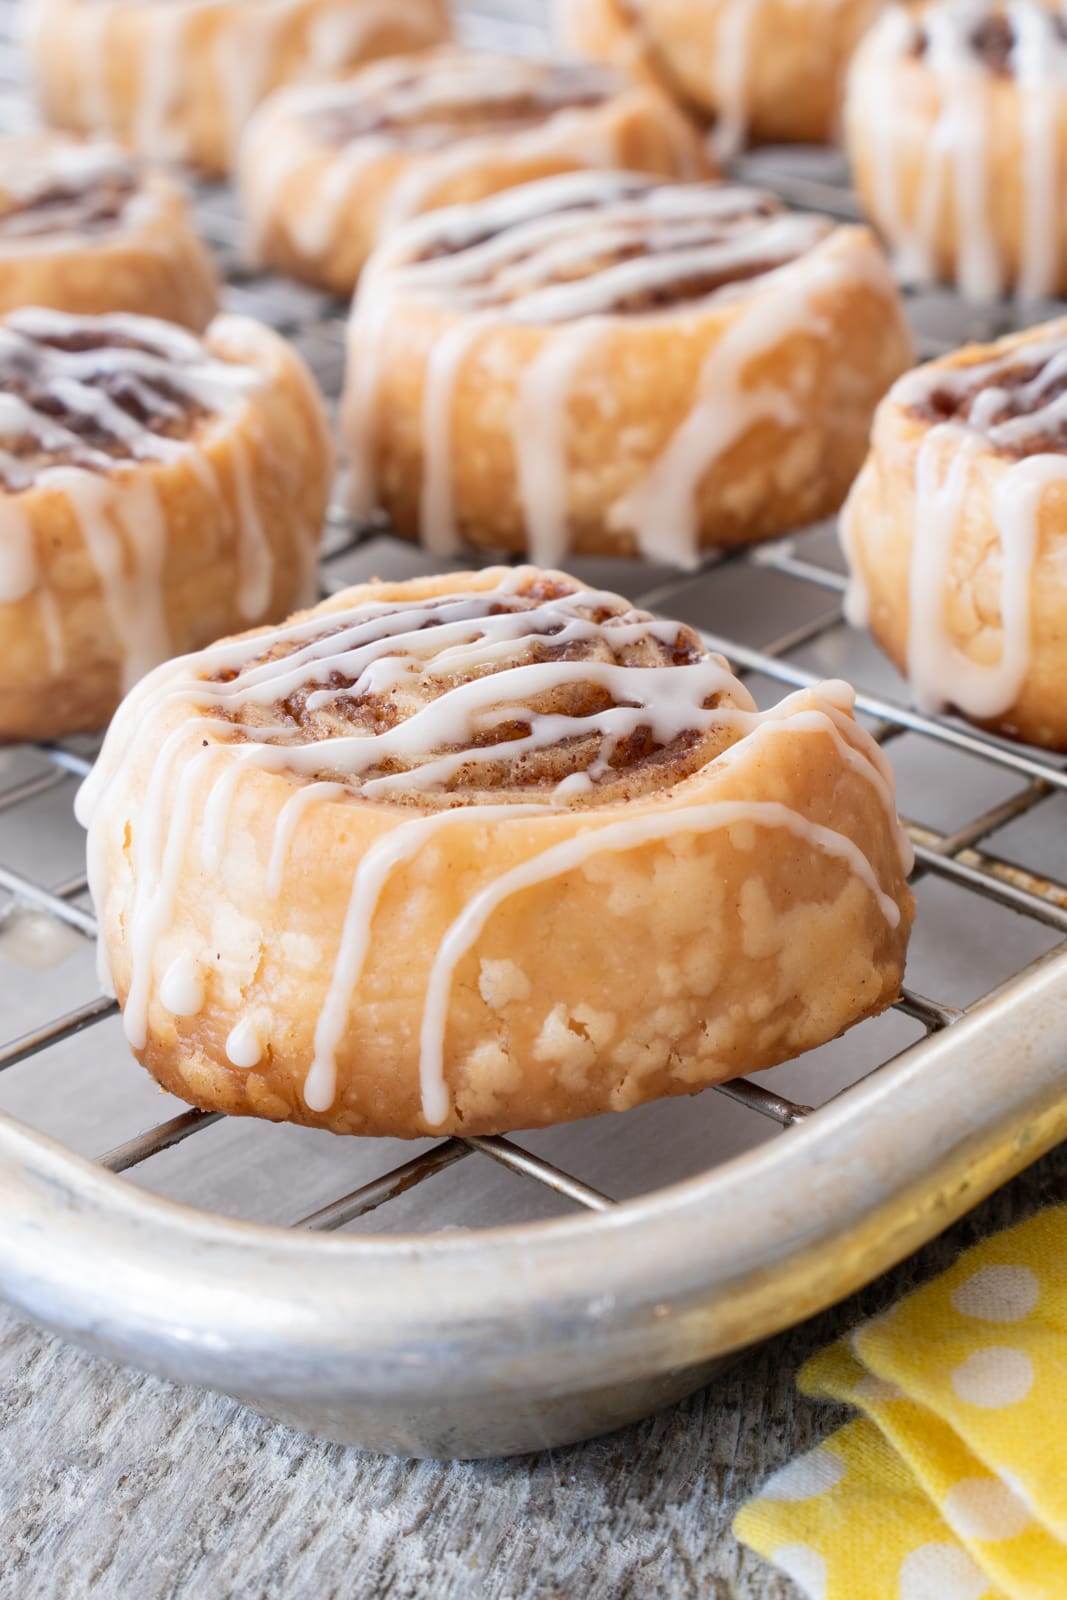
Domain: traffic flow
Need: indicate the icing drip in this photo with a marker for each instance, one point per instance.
(18, 554)
(1014, 405)
(541, 437)
(730, 77)
(968, 49)
(289, 819)
(941, 674)
(575, 253)
(1040, 62)
(181, 989)
(81, 400)
(524, 683)
(244, 1046)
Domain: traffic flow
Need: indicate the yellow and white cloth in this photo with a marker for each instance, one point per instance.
(952, 1484)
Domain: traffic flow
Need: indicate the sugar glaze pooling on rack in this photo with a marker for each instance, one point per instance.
(577, 253)
(83, 400)
(348, 660)
(454, 111)
(1016, 405)
(968, 46)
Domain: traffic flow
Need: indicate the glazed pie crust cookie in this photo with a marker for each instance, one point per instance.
(326, 169)
(765, 71)
(82, 230)
(177, 80)
(605, 364)
(484, 851)
(957, 134)
(956, 534)
(155, 490)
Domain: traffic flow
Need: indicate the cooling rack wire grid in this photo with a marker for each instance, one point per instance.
(987, 819)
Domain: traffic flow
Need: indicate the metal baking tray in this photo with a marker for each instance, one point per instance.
(486, 1296)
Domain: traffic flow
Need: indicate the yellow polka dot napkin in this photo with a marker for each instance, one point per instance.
(951, 1484)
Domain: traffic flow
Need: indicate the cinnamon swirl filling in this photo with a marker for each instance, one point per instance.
(94, 392)
(1018, 404)
(88, 210)
(531, 689)
(589, 244)
(424, 103)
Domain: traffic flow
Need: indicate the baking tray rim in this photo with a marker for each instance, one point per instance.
(656, 1283)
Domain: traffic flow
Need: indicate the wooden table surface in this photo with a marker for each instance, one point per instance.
(114, 1484)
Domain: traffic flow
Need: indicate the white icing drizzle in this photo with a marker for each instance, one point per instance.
(18, 554)
(382, 648)
(157, 130)
(958, 171)
(123, 530)
(118, 513)
(52, 627)
(993, 415)
(540, 434)
(730, 77)
(256, 558)
(289, 819)
(1040, 66)
(418, 120)
(560, 252)
(316, 223)
(395, 848)
(238, 50)
(181, 988)
(571, 855)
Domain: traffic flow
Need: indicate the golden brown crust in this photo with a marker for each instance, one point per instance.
(245, 489)
(179, 81)
(974, 421)
(717, 940)
(777, 68)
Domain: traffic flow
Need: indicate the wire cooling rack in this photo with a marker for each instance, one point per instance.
(987, 820)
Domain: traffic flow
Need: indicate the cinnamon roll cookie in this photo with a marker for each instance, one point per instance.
(765, 71)
(178, 79)
(82, 230)
(155, 490)
(484, 851)
(957, 131)
(601, 363)
(327, 168)
(956, 533)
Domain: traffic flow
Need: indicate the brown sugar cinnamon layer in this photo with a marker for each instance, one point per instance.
(403, 111)
(1005, 395)
(713, 252)
(67, 417)
(410, 675)
(88, 210)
